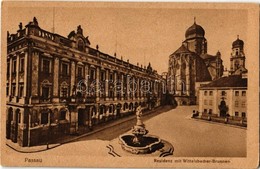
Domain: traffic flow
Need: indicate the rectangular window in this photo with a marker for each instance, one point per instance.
(92, 74)
(14, 66)
(205, 111)
(236, 93)
(13, 90)
(244, 114)
(7, 90)
(45, 92)
(236, 103)
(210, 111)
(223, 93)
(210, 102)
(64, 92)
(111, 76)
(205, 102)
(243, 93)
(22, 65)
(205, 93)
(46, 66)
(8, 68)
(210, 93)
(21, 90)
(80, 72)
(44, 118)
(103, 76)
(243, 104)
(64, 69)
(236, 114)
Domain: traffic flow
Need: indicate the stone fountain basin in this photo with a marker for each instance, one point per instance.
(149, 144)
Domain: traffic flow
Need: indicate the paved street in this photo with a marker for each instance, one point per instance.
(190, 138)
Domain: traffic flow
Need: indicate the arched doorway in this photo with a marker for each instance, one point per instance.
(118, 109)
(8, 122)
(223, 109)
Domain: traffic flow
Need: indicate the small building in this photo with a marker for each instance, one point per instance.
(224, 97)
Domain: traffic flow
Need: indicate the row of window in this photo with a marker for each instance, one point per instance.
(14, 66)
(243, 114)
(13, 89)
(224, 93)
(243, 103)
(208, 102)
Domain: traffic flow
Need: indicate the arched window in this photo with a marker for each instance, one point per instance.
(81, 45)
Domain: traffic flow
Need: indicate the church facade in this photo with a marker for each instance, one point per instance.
(191, 65)
(59, 85)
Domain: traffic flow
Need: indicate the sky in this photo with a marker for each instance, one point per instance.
(141, 35)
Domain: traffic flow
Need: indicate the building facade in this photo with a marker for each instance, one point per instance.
(226, 96)
(59, 84)
(191, 65)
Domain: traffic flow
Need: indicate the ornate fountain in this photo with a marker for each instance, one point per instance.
(139, 142)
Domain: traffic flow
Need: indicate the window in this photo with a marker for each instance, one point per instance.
(236, 114)
(21, 90)
(236, 93)
(45, 92)
(205, 93)
(205, 111)
(210, 111)
(210, 93)
(44, 118)
(13, 90)
(236, 103)
(223, 93)
(22, 65)
(244, 114)
(92, 74)
(103, 76)
(80, 72)
(7, 90)
(14, 66)
(80, 45)
(243, 93)
(64, 92)
(111, 76)
(64, 69)
(205, 102)
(63, 115)
(45, 66)
(243, 104)
(210, 102)
(8, 68)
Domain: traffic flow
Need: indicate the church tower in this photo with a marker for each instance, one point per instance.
(195, 40)
(237, 59)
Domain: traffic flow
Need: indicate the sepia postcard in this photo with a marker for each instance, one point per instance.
(130, 84)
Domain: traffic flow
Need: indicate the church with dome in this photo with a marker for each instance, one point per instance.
(190, 66)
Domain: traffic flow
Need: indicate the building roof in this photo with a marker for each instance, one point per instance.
(238, 43)
(182, 49)
(229, 81)
(194, 31)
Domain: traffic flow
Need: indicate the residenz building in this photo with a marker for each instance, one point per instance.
(59, 84)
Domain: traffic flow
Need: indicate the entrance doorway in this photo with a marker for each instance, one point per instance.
(81, 117)
(223, 109)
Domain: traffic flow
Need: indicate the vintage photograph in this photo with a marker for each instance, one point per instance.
(172, 84)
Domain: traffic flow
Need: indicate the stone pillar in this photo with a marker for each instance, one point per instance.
(115, 85)
(10, 76)
(138, 88)
(187, 79)
(17, 75)
(106, 84)
(56, 79)
(87, 79)
(35, 74)
(216, 102)
(127, 86)
(72, 82)
(97, 83)
(230, 103)
(25, 73)
(122, 87)
(133, 88)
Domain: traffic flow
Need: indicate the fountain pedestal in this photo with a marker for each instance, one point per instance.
(138, 142)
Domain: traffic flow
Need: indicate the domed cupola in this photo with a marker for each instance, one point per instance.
(238, 43)
(194, 31)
